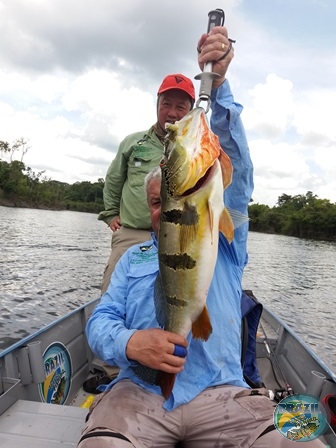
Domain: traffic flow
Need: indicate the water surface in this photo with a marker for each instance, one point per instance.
(52, 261)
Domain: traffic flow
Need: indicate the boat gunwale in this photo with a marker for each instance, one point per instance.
(298, 338)
(29, 338)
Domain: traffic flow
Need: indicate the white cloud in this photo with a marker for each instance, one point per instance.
(279, 169)
(71, 122)
(271, 107)
(100, 93)
(76, 83)
(315, 116)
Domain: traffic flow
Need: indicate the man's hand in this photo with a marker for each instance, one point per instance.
(155, 347)
(115, 224)
(212, 47)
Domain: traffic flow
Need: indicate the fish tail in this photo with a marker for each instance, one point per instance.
(202, 328)
(166, 382)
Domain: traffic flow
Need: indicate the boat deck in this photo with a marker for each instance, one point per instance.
(59, 426)
(281, 357)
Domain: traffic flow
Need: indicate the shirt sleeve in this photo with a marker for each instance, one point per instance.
(106, 329)
(114, 182)
(226, 123)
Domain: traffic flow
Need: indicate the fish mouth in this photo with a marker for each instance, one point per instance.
(200, 183)
(191, 149)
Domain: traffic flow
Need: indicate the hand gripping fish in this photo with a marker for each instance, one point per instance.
(195, 172)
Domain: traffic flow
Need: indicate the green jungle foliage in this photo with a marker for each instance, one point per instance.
(303, 216)
(22, 187)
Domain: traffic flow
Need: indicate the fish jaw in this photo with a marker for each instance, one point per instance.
(191, 148)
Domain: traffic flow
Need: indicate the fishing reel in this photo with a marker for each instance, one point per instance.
(280, 394)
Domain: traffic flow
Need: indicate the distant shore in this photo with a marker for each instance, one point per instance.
(25, 204)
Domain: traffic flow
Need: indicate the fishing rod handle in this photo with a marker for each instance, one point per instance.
(216, 17)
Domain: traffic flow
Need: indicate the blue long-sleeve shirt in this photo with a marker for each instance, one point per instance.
(128, 304)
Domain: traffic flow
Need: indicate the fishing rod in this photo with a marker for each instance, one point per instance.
(279, 393)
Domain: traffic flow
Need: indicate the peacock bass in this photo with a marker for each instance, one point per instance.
(195, 173)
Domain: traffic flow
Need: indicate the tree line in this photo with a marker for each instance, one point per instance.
(20, 186)
(303, 216)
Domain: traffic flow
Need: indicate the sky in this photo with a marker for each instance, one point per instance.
(77, 76)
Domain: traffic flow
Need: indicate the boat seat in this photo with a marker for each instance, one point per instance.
(59, 426)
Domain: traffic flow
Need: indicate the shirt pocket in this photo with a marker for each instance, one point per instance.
(140, 163)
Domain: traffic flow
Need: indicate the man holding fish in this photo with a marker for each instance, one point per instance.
(171, 317)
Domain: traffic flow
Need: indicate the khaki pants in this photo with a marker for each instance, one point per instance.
(217, 417)
(122, 239)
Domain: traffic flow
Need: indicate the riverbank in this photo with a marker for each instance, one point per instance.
(70, 206)
(25, 204)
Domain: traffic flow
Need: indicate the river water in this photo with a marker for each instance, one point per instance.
(52, 261)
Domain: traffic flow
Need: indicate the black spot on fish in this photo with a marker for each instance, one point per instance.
(190, 216)
(178, 261)
(173, 216)
(175, 301)
(186, 217)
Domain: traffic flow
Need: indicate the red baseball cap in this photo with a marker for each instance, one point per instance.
(177, 81)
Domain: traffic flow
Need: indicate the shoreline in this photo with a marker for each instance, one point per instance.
(21, 204)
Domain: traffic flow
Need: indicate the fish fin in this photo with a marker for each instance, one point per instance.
(202, 328)
(227, 168)
(159, 302)
(238, 218)
(211, 219)
(166, 382)
(226, 225)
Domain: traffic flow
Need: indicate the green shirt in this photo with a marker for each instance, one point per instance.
(124, 191)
